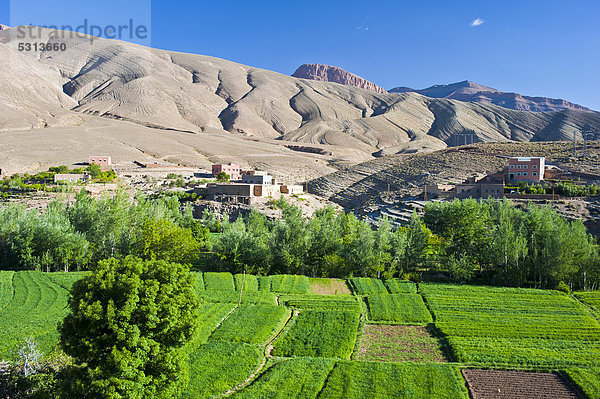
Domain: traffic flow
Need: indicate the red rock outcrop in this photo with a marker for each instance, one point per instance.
(328, 73)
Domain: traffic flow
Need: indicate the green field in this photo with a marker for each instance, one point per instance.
(514, 327)
(397, 286)
(251, 324)
(319, 333)
(396, 333)
(285, 283)
(398, 309)
(356, 380)
(364, 286)
(588, 380)
(217, 367)
(338, 302)
(300, 378)
(591, 299)
(218, 282)
(33, 306)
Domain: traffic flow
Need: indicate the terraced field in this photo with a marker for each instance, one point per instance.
(291, 336)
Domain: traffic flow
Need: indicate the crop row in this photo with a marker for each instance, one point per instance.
(398, 309)
(282, 283)
(588, 380)
(251, 324)
(591, 299)
(322, 302)
(509, 313)
(36, 307)
(320, 333)
(217, 367)
(502, 352)
(6, 288)
(325, 378)
(210, 315)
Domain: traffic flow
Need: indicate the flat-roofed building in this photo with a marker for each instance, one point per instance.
(529, 169)
(234, 171)
(257, 177)
(104, 161)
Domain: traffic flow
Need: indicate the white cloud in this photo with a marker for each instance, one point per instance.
(364, 25)
(477, 22)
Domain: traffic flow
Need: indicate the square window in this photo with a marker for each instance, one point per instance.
(534, 166)
(518, 173)
(534, 173)
(512, 166)
(524, 173)
(518, 166)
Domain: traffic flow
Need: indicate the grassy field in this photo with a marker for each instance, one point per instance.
(398, 309)
(320, 333)
(514, 327)
(588, 380)
(398, 335)
(299, 378)
(357, 380)
(33, 305)
(364, 286)
(216, 367)
(251, 324)
(591, 299)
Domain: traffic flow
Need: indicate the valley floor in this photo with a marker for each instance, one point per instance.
(292, 336)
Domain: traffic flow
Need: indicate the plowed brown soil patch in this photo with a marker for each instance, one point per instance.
(497, 384)
(398, 344)
(329, 286)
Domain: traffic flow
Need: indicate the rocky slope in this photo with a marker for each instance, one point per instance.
(473, 92)
(328, 73)
(201, 95)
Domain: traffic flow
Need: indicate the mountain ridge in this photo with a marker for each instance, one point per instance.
(473, 92)
(328, 73)
(196, 94)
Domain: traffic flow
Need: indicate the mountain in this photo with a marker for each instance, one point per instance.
(328, 73)
(473, 92)
(211, 109)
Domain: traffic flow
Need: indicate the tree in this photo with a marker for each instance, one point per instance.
(163, 239)
(129, 320)
(222, 177)
(94, 170)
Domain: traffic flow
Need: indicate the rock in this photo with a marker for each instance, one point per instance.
(328, 73)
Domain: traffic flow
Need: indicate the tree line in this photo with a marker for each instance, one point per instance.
(68, 237)
(466, 241)
(492, 242)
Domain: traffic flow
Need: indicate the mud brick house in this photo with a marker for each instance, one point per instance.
(103, 161)
(234, 171)
(529, 169)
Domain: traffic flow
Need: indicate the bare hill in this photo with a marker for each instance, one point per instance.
(473, 92)
(364, 184)
(217, 104)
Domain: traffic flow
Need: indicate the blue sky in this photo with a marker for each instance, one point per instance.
(535, 47)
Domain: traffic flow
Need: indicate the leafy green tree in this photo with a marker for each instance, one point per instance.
(128, 323)
(222, 177)
(94, 169)
(164, 240)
